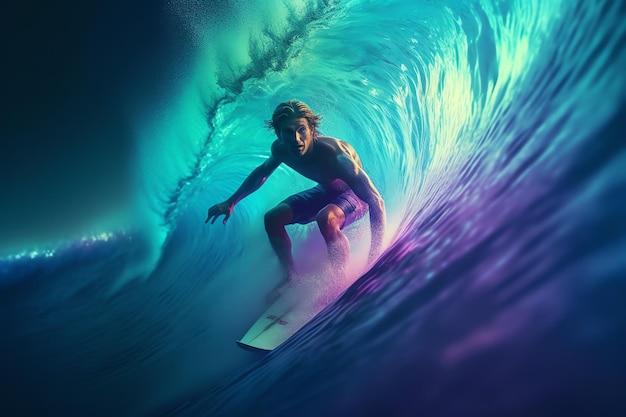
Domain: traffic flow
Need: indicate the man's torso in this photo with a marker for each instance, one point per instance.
(322, 163)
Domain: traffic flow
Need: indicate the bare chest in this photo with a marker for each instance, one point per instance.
(322, 171)
(322, 164)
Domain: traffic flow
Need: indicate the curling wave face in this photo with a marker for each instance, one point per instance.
(486, 126)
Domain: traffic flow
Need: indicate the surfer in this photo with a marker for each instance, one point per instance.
(344, 192)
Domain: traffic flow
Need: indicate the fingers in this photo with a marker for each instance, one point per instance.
(213, 216)
(215, 212)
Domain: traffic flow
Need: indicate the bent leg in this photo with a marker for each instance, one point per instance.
(275, 221)
(330, 221)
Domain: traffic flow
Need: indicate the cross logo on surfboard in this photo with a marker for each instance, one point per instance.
(279, 322)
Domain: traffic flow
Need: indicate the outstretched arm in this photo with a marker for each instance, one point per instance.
(353, 175)
(252, 183)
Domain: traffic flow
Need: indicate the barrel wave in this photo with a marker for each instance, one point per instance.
(494, 132)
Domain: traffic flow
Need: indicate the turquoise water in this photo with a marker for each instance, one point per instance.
(494, 132)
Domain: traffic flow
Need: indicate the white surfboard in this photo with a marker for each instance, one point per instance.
(281, 320)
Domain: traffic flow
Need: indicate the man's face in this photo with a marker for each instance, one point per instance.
(297, 135)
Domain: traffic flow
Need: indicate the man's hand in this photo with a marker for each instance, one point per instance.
(225, 208)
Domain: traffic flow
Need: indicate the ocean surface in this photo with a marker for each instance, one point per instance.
(494, 130)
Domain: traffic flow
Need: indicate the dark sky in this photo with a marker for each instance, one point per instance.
(72, 73)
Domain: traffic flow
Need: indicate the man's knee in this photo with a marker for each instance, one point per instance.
(272, 221)
(277, 218)
(330, 219)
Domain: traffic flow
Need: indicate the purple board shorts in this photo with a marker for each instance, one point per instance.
(306, 204)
